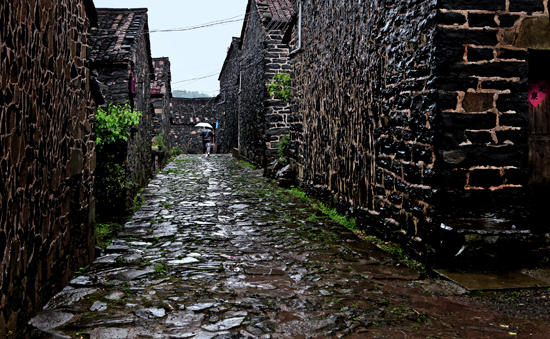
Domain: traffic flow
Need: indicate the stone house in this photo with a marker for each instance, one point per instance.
(48, 101)
(418, 119)
(262, 121)
(161, 96)
(185, 113)
(227, 103)
(121, 58)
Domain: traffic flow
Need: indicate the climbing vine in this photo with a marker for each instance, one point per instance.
(279, 87)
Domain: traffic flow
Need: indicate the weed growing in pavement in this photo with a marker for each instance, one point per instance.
(161, 267)
(244, 164)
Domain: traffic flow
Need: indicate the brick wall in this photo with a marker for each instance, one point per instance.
(47, 155)
(185, 114)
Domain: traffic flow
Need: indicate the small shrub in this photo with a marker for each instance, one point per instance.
(284, 146)
(113, 123)
(279, 87)
(158, 141)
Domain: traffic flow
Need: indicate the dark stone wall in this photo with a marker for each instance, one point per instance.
(367, 101)
(114, 79)
(482, 76)
(185, 114)
(139, 166)
(252, 91)
(262, 120)
(227, 105)
(161, 95)
(47, 155)
(409, 113)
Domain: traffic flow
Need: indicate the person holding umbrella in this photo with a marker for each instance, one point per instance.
(206, 136)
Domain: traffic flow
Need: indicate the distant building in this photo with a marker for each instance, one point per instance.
(185, 114)
(161, 96)
(227, 103)
(262, 121)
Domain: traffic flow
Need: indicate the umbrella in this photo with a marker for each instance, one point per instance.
(204, 124)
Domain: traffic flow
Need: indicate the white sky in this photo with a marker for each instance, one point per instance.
(193, 53)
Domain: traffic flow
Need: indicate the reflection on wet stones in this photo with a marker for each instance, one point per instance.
(218, 253)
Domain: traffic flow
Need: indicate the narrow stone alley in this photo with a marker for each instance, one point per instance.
(217, 251)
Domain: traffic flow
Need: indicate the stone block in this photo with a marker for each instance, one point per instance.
(461, 121)
(479, 137)
(448, 100)
(481, 20)
(508, 20)
(480, 54)
(485, 5)
(528, 6)
(485, 178)
(461, 36)
(477, 102)
(516, 102)
(451, 18)
(533, 33)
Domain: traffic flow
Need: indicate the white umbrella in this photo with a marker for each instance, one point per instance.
(204, 124)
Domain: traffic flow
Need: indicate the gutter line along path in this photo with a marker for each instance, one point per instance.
(217, 251)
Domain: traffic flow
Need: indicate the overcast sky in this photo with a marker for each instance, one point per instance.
(193, 53)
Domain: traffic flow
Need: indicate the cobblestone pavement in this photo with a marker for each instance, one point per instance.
(217, 251)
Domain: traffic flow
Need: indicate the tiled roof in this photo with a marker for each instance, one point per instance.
(115, 37)
(275, 10)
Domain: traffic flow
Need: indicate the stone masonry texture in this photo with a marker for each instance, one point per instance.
(262, 120)
(185, 114)
(161, 96)
(121, 55)
(47, 153)
(227, 105)
(415, 111)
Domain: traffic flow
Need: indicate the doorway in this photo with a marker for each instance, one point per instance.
(539, 133)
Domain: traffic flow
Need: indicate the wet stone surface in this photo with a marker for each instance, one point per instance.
(217, 251)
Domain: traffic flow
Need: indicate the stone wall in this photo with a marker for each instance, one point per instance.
(262, 120)
(124, 72)
(367, 103)
(414, 113)
(482, 78)
(47, 155)
(185, 114)
(161, 95)
(227, 105)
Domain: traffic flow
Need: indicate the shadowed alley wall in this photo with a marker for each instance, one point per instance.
(416, 111)
(47, 155)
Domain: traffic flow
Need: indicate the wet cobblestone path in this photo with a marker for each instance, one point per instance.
(217, 251)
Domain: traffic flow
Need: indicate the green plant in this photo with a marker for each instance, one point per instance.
(158, 141)
(279, 87)
(284, 146)
(113, 123)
